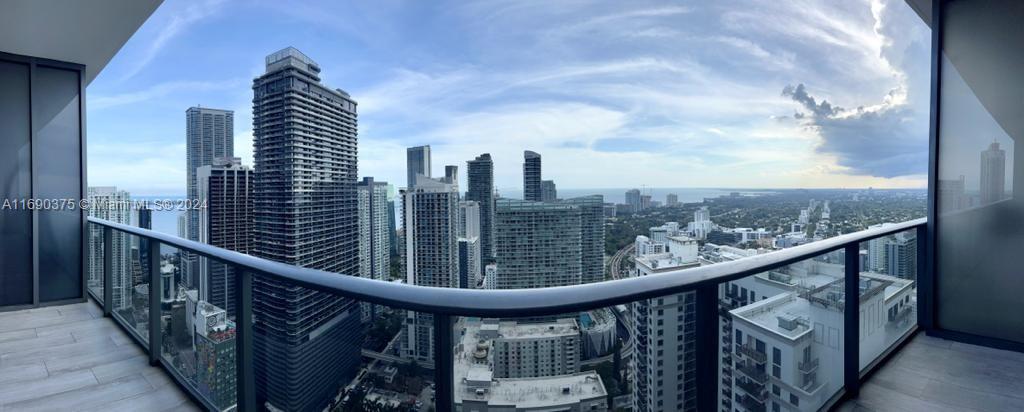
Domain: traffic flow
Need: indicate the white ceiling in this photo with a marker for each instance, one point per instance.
(88, 32)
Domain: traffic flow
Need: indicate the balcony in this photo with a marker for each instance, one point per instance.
(753, 354)
(752, 372)
(756, 391)
(132, 355)
(808, 366)
(72, 358)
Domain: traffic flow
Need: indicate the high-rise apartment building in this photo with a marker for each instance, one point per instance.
(106, 202)
(226, 188)
(469, 262)
(671, 200)
(481, 190)
(664, 374)
(993, 174)
(548, 191)
(531, 176)
(537, 244)
(591, 236)
(209, 134)
(417, 161)
(374, 236)
(213, 340)
(901, 256)
(307, 343)
(952, 195)
(430, 222)
(532, 350)
(469, 218)
(633, 200)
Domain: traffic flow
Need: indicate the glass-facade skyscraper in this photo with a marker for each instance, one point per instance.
(531, 176)
(481, 190)
(307, 343)
(209, 134)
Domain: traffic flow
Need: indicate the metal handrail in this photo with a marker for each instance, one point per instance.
(517, 302)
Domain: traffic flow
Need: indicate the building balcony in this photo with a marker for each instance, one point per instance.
(94, 333)
(755, 390)
(752, 372)
(808, 366)
(752, 353)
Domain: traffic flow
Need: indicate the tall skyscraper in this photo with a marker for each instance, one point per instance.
(417, 161)
(431, 220)
(952, 195)
(671, 200)
(209, 134)
(470, 267)
(537, 244)
(664, 336)
(993, 174)
(531, 176)
(469, 219)
(306, 343)
(106, 202)
(633, 200)
(548, 192)
(142, 250)
(451, 175)
(591, 236)
(226, 188)
(481, 190)
(374, 236)
(901, 256)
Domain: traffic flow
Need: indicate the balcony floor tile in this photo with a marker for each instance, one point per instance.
(72, 358)
(939, 375)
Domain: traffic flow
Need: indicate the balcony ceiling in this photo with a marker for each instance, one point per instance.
(84, 32)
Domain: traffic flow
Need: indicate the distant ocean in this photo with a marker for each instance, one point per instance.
(167, 221)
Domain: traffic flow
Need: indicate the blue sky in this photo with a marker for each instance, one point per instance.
(612, 94)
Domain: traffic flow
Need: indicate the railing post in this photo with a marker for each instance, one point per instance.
(851, 321)
(444, 373)
(155, 293)
(244, 362)
(108, 270)
(707, 348)
(925, 281)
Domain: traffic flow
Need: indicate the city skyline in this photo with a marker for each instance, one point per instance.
(768, 130)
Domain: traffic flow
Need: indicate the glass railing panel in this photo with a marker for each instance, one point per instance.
(197, 316)
(889, 311)
(130, 283)
(308, 351)
(94, 261)
(781, 336)
(568, 361)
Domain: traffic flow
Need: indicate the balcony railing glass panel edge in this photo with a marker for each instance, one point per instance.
(447, 302)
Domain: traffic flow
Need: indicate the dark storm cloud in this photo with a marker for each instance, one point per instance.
(887, 142)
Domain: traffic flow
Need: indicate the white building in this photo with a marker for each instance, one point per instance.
(430, 220)
(469, 219)
(490, 277)
(643, 245)
(784, 352)
(531, 350)
(663, 376)
(106, 202)
(374, 236)
(477, 388)
(660, 234)
(701, 224)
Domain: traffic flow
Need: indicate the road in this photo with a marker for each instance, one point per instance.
(614, 268)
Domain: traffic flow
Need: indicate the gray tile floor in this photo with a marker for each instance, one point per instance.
(72, 358)
(932, 374)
